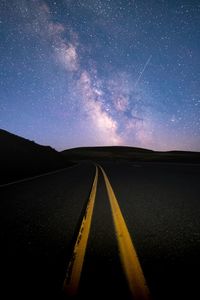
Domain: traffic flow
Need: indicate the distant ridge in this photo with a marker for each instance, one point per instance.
(21, 158)
(109, 148)
(125, 153)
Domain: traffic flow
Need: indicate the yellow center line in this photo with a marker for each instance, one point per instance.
(128, 255)
(71, 282)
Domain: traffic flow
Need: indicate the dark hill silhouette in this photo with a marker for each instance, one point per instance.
(21, 158)
(118, 153)
(104, 153)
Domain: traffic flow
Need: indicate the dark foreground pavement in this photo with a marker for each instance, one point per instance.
(161, 204)
(40, 220)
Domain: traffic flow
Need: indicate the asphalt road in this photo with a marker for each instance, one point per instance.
(40, 220)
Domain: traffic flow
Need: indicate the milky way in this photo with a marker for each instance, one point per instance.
(100, 72)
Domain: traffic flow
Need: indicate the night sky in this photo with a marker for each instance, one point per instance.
(99, 72)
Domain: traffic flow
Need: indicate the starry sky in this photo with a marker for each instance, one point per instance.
(101, 72)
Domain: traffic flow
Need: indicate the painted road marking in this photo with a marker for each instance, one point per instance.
(71, 282)
(128, 255)
(34, 177)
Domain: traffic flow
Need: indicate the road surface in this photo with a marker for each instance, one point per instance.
(132, 232)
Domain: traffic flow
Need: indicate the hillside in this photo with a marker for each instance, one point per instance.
(118, 153)
(21, 158)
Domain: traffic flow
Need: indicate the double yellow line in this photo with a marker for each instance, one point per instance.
(73, 275)
(128, 255)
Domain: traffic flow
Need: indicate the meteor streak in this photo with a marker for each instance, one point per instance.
(141, 73)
